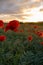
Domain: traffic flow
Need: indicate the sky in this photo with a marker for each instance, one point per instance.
(22, 10)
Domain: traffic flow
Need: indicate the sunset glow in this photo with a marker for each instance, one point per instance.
(32, 15)
(22, 10)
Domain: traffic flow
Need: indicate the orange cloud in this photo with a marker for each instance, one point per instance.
(41, 10)
(37, 0)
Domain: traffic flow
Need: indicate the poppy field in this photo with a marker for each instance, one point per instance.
(21, 43)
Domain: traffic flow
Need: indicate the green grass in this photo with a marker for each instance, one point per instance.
(18, 50)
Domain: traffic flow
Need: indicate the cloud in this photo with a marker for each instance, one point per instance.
(16, 8)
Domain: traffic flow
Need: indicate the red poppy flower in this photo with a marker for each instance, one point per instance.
(14, 24)
(41, 43)
(16, 30)
(40, 34)
(35, 26)
(1, 24)
(30, 38)
(2, 38)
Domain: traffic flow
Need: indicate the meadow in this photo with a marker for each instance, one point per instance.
(23, 46)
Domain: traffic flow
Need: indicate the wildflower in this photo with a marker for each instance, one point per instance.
(14, 24)
(1, 24)
(41, 43)
(2, 38)
(21, 30)
(35, 26)
(40, 34)
(30, 38)
(16, 30)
